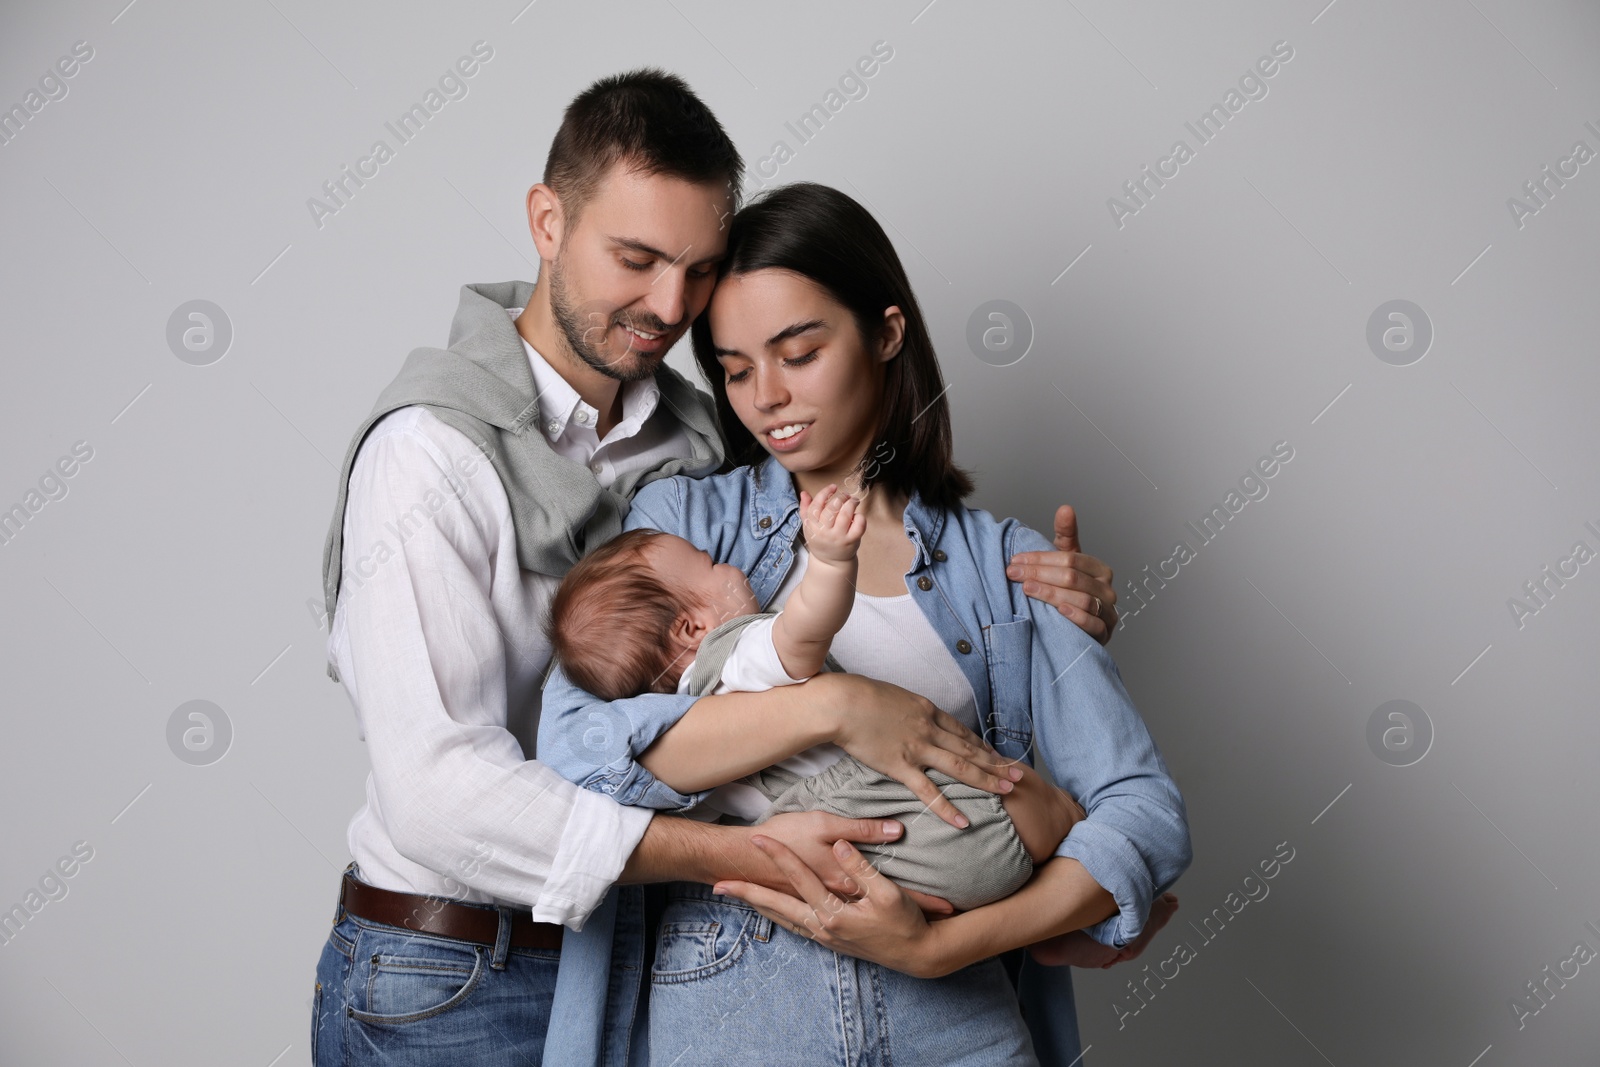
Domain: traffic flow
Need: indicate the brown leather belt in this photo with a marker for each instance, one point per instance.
(433, 915)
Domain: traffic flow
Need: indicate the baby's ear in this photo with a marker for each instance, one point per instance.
(688, 631)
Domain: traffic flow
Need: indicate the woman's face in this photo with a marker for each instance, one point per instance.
(798, 373)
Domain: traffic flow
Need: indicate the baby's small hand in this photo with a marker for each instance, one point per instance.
(833, 524)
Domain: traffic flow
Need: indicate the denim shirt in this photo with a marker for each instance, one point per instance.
(1043, 687)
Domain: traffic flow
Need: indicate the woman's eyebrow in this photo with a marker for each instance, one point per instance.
(788, 332)
(795, 331)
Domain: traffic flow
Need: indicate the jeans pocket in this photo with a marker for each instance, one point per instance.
(344, 946)
(328, 1000)
(316, 1019)
(700, 938)
(404, 989)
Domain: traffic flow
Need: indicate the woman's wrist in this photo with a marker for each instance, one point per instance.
(935, 953)
(944, 948)
(818, 701)
(1061, 897)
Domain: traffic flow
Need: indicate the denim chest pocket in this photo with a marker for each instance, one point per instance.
(1008, 649)
(700, 938)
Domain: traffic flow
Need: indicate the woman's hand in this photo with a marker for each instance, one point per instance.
(902, 734)
(1077, 584)
(881, 924)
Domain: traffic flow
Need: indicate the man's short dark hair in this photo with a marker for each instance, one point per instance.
(648, 119)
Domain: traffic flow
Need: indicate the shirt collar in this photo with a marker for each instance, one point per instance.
(639, 400)
(559, 402)
(775, 506)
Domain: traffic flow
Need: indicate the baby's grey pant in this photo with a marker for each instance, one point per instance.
(969, 868)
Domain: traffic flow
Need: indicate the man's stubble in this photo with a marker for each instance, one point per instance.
(579, 326)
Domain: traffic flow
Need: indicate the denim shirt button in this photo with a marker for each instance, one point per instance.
(925, 583)
(939, 556)
(766, 521)
(963, 646)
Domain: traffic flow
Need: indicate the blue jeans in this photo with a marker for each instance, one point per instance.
(730, 986)
(391, 996)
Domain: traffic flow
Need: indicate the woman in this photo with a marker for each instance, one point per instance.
(823, 371)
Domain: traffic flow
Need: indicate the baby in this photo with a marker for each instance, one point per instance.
(650, 612)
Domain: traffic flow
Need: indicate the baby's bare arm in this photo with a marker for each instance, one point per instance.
(821, 603)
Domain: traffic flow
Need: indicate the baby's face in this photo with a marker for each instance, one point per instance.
(722, 585)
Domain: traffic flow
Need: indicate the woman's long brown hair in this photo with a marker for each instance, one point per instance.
(825, 236)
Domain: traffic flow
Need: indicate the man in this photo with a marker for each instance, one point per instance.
(481, 475)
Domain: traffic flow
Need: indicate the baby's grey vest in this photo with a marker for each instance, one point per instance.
(482, 384)
(716, 646)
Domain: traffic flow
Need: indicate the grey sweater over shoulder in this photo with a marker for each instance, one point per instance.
(482, 385)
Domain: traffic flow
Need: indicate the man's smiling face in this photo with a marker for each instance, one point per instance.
(637, 268)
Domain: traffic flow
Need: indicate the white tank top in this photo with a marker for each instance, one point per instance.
(889, 638)
(886, 637)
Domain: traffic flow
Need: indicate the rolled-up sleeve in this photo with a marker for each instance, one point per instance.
(426, 667)
(1134, 840)
(597, 743)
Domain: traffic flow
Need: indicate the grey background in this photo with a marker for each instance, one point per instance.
(1228, 314)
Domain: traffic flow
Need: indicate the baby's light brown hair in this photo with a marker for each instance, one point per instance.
(610, 618)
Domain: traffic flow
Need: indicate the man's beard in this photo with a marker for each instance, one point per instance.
(578, 327)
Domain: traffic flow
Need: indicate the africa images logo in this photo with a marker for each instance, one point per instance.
(1211, 122)
(1252, 487)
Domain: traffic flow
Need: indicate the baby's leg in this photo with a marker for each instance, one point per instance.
(1041, 812)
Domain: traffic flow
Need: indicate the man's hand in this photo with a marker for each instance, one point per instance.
(1078, 949)
(874, 919)
(902, 734)
(832, 523)
(1077, 584)
(676, 848)
(1074, 949)
(810, 835)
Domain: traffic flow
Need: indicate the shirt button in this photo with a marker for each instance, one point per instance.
(553, 426)
(963, 647)
(924, 583)
(583, 417)
(939, 556)
(766, 521)
(597, 467)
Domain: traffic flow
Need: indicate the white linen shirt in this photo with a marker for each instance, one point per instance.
(438, 640)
